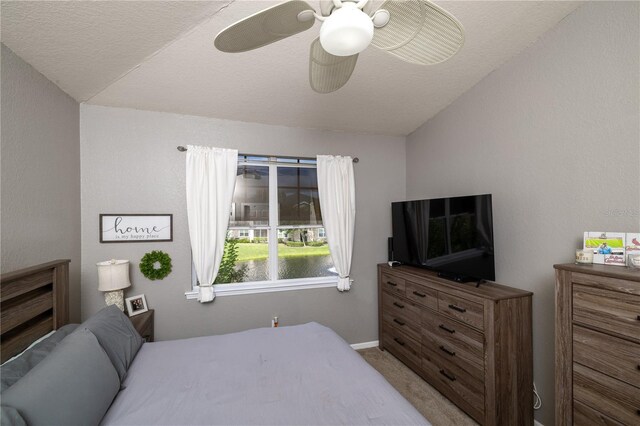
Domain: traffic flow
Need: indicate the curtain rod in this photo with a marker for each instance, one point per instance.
(355, 160)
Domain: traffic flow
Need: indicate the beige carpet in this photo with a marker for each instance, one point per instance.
(428, 401)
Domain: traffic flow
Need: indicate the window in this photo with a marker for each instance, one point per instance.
(275, 235)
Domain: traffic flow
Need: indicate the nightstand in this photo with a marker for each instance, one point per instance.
(143, 323)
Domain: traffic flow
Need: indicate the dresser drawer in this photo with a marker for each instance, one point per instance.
(392, 284)
(607, 310)
(611, 397)
(403, 321)
(607, 283)
(469, 312)
(464, 390)
(583, 415)
(401, 345)
(393, 303)
(440, 332)
(615, 357)
(425, 296)
(459, 375)
(452, 355)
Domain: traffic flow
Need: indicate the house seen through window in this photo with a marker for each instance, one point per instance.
(275, 229)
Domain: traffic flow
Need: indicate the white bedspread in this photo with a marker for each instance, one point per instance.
(300, 375)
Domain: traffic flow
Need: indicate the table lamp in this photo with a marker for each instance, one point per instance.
(113, 277)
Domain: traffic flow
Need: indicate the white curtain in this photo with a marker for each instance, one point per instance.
(336, 190)
(211, 180)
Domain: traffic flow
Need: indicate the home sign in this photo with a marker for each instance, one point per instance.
(136, 228)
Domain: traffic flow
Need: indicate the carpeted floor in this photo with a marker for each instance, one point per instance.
(428, 401)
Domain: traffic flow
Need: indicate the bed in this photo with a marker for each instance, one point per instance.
(303, 374)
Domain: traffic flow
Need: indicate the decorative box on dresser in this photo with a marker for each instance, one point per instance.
(597, 345)
(472, 344)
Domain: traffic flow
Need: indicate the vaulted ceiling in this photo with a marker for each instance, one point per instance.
(159, 55)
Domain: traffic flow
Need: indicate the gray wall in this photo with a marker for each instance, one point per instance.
(554, 136)
(130, 165)
(40, 173)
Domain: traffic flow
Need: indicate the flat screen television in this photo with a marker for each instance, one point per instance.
(453, 236)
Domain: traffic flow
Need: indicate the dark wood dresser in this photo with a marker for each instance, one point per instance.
(597, 345)
(472, 344)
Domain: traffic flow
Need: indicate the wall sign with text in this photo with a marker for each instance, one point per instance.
(135, 228)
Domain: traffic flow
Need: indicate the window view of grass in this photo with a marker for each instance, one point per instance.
(259, 251)
(302, 253)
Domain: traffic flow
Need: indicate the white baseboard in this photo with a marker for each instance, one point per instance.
(365, 345)
(537, 423)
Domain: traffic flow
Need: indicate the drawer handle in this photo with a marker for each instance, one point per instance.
(391, 283)
(397, 321)
(398, 341)
(399, 305)
(448, 376)
(447, 351)
(448, 330)
(419, 294)
(458, 308)
(638, 317)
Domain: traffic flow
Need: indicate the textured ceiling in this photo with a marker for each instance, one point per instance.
(120, 52)
(83, 46)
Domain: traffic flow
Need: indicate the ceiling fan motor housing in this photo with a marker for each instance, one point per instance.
(347, 31)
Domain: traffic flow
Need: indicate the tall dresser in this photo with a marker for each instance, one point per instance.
(472, 344)
(597, 345)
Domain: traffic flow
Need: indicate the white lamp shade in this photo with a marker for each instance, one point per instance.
(113, 275)
(346, 31)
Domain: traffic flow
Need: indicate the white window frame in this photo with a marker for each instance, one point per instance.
(271, 285)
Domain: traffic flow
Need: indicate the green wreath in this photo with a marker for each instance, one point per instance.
(149, 265)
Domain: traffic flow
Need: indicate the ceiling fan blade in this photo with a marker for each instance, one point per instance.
(265, 27)
(328, 73)
(419, 32)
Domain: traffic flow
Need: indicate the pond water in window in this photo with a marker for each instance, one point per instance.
(304, 253)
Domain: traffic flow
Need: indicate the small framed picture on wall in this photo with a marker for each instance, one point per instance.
(136, 305)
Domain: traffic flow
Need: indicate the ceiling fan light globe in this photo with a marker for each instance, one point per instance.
(347, 31)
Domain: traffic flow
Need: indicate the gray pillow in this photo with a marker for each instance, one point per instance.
(12, 371)
(117, 336)
(74, 385)
(9, 416)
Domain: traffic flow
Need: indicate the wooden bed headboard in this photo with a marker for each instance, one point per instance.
(33, 302)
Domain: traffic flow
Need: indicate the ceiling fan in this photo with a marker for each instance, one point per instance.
(415, 31)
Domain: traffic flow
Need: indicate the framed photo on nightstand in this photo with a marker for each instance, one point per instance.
(136, 305)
